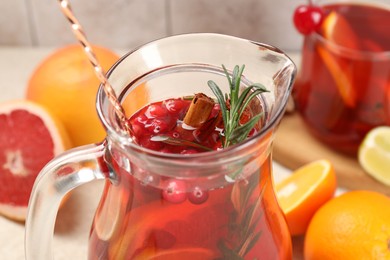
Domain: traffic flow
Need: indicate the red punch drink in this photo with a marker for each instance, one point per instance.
(343, 89)
(156, 217)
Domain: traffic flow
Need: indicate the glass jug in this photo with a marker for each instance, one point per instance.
(342, 90)
(217, 217)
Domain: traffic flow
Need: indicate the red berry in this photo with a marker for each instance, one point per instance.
(157, 126)
(252, 132)
(139, 120)
(137, 130)
(215, 110)
(176, 105)
(174, 191)
(308, 18)
(155, 110)
(245, 117)
(198, 196)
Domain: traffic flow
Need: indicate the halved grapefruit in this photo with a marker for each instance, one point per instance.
(29, 138)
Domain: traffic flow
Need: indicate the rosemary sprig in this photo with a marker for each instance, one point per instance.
(234, 132)
(247, 216)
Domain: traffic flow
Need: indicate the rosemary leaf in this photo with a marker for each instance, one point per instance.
(227, 252)
(252, 242)
(233, 131)
(236, 197)
(218, 94)
(241, 132)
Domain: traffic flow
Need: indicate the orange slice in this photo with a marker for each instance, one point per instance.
(179, 254)
(337, 30)
(303, 192)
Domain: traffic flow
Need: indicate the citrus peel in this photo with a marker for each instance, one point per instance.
(339, 33)
(354, 225)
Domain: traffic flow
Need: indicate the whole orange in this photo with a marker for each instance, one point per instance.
(66, 84)
(355, 225)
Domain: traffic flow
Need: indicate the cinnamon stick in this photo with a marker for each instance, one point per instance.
(199, 110)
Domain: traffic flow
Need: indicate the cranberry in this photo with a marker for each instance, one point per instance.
(218, 145)
(176, 134)
(197, 133)
(174, 191)
(140, 120)
(215, 110)
(215, 137)
(157, 126)
(252, 132)
(137, 130)
(308, 18)
(155, 111)
(245, 116)
(182, 133)
(176, 105)
(198, 196)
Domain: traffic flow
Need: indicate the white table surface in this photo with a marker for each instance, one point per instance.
(73, 221)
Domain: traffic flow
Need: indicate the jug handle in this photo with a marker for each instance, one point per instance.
(67, 171)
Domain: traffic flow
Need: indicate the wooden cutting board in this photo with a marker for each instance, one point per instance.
(294, 147)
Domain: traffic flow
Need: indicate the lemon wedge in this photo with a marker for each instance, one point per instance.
(374, 154)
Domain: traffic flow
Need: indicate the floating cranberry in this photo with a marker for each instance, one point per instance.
(164, 119)
(157, 126)
(198, 196)
(155, 111)
(307, 18)
(215, 110)
(175, 134)
(197, 134)
(176, 105)
(137, 130)
(218, 145)
(140, 120)
(252, 132)
(174, 191)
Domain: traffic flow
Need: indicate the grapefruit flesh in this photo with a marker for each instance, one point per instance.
(29, 138)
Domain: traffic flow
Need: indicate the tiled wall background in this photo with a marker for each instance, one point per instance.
(128, 23)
